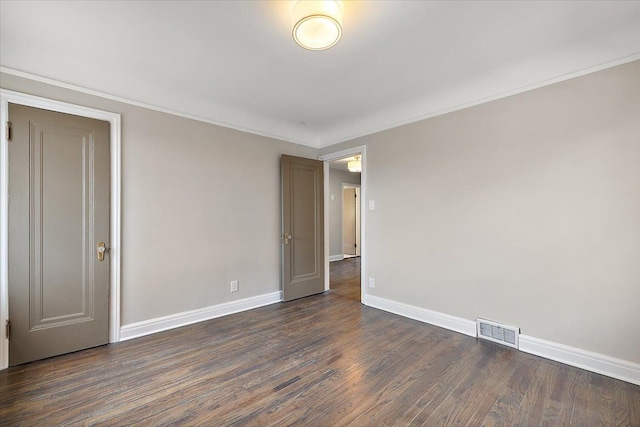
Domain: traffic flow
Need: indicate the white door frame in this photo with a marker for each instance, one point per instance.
(6, 97)
(362, 151)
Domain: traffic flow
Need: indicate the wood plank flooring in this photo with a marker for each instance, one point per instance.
(325, 360)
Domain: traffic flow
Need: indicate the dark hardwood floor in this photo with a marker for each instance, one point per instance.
(345, 279)
(324, 360)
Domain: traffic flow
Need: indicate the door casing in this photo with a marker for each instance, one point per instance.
(6, 97)
(327, 158)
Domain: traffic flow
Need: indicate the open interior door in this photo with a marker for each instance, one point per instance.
(302, 227)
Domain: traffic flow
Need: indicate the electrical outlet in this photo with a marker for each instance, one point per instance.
(372, 282)
(234, 286)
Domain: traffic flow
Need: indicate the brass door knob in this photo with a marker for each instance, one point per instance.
(101, 248)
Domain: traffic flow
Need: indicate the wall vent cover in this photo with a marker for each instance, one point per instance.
(497, 332)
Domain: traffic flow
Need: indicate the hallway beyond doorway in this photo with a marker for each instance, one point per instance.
(345, 278)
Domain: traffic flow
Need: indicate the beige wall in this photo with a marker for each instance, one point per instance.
(336, 179)
(200, 207)
(524, 210)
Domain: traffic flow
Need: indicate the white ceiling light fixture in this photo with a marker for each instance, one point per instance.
(355, 165)
(317, 25)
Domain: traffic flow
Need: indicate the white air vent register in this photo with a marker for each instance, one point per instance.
(497, 332)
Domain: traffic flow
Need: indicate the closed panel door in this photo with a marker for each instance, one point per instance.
(357, 224)
(302, 227)
(349, 221)
(58, 233)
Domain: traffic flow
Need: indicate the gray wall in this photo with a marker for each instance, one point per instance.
(524, 210)
(336, 179)
(200, 207)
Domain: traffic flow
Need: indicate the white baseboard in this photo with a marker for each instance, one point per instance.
(159, 324)
(339, 257)
(584, 359)
(453, 323)
(594, 362)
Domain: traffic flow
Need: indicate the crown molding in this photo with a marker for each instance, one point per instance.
(373, 125)
(341, 134)
(22, 74)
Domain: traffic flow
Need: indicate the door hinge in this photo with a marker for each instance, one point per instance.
(8, 329)
(8, 131)
(355, 245)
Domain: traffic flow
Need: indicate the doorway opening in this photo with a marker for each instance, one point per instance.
(345, 224)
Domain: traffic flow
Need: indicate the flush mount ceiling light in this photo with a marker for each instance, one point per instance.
(355, 165)
(317, 25)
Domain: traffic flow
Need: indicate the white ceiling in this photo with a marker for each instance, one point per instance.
(235, 63)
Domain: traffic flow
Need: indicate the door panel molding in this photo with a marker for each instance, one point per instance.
(326, 158)
(6, 97)
(41, 316)
(304, 244)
